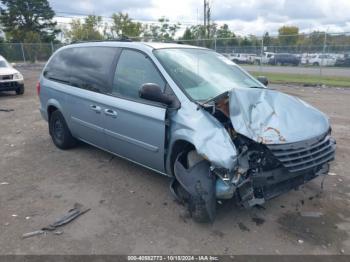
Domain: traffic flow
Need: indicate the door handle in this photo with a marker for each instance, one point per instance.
(95, 108)
(110, 112)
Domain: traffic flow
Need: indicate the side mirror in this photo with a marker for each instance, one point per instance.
(263, 80)
(13, 64)
(153, 92)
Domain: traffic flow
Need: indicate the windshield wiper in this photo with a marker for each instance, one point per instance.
(214, 98)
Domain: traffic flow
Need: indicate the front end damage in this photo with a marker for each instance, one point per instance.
(280, 143)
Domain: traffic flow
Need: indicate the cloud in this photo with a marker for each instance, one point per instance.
(245, 17)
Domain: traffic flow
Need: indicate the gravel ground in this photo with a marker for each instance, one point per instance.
(132, 210)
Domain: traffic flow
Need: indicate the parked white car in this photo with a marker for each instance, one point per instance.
(318, 59)
(10, 78)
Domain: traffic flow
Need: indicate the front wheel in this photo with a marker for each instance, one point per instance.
(20, 90)
(59, 131)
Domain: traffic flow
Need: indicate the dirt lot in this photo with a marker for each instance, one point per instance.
(132, 210)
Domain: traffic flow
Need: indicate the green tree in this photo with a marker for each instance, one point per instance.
(123, 25)
(162, 31)
(288, 35)
(225, 37)
(88, 30)
(21, 18)
(267, 39)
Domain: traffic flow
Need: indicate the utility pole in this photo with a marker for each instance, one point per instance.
(205, 6)
(208, 19)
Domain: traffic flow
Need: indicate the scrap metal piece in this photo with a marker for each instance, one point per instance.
(34, 233)
(6, 110)
(72, 214)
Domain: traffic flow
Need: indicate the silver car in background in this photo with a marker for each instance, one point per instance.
(188, 113)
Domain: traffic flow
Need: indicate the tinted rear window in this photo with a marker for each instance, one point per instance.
(84, 67)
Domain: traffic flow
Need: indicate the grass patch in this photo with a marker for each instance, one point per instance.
(300, 79)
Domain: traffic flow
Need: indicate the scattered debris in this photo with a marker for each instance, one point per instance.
(258, 220)
(14, 215)
(243, 227)
(4, 183)
(57, 233)
(332, 174)
(131, 191)
(218, 233)
(27, 218)
(34, 233)
(72, 214)
(282, 206)
(165, 203)
(6, 110)
(311, 214)
(260, 207)
(300, 241)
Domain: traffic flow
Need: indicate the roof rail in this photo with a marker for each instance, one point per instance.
(121, 39)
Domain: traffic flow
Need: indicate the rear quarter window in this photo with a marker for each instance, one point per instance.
(88, 68)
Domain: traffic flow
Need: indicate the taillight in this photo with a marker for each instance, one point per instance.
(38, 88)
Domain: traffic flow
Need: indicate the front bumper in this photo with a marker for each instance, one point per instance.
(10, 85)
(268, 185)
(300, 163)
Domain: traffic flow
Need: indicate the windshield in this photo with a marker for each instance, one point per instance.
(203, 74)
(3, 63)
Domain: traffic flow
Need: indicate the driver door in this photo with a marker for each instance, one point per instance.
(134, 127)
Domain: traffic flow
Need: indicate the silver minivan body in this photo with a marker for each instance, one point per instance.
(292, 133)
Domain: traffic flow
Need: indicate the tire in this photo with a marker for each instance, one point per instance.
(59, 131)
(195, 204)
(20, 90)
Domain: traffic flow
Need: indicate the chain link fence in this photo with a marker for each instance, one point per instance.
(317, 50)
(28, 52)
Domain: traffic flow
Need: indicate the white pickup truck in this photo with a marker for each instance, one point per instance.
(264, 59)
(242, 58)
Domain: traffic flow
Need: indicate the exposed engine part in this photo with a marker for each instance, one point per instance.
(224, 190)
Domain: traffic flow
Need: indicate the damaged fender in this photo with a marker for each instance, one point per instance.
(199, 183)
(207, 134)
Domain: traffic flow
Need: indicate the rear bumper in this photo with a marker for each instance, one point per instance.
(11, 85)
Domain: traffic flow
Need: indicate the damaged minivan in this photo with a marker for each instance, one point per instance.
(189, 113)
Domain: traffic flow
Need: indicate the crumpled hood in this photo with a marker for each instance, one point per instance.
(272, 117)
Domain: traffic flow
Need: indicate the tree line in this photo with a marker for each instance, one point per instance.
(32, 21)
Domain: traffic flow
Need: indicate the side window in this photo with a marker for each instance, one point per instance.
(88, 68)
(57, 69)
(91, 67)
(133, 70)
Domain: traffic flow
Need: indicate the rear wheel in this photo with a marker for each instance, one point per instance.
(59, 131)
(20, 90)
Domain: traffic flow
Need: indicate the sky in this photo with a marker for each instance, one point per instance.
(244, 17)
